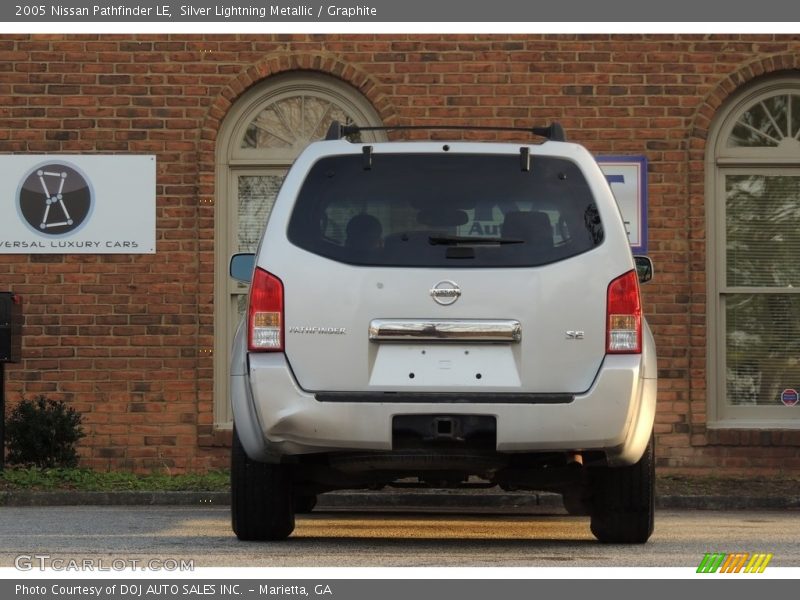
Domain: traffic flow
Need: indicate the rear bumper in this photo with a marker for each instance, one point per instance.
(276, 418)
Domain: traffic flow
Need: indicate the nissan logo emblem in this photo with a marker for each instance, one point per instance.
(445, 292)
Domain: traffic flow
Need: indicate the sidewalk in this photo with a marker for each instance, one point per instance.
(483, 501)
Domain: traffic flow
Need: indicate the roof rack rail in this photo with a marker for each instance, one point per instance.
(554, 131)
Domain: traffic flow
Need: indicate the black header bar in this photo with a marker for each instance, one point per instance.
(393, 11)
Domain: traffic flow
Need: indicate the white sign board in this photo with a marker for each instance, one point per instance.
(77, 204)
(627, 176)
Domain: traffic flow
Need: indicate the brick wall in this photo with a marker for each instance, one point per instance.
(123, 338)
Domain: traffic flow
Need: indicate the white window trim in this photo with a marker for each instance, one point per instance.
(722, 160)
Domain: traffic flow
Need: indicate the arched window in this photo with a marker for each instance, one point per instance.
(753, 183)
(260, 138)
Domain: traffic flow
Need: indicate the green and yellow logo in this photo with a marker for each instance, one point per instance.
(739, 562)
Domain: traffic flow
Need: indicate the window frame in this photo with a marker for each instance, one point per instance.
(721, 161)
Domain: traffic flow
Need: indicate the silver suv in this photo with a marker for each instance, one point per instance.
(444, 314)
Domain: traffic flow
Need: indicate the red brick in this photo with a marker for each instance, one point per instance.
(132, 327)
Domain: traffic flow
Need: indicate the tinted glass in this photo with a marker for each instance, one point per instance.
(762, 214)
(762, 339)
(445, 210)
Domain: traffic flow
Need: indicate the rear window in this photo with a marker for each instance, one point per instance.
(445, 210)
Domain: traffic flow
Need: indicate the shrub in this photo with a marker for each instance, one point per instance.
(43, 433)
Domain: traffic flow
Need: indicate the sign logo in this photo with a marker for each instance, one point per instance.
(445, 292)
(789, 397)
(739, 562)
(55, 199)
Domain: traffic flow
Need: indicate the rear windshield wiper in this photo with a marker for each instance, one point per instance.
(456, 240)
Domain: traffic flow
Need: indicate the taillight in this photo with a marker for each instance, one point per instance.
(265, 313)
(624, 316)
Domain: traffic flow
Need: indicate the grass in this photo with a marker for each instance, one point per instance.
(34, 479)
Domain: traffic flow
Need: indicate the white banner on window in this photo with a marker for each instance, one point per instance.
(77, 204)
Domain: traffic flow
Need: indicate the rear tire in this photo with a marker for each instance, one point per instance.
(623, 500)
(576, 503)
(261, 497)
(304, 504)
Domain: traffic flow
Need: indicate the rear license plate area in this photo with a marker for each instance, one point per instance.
(445, 365)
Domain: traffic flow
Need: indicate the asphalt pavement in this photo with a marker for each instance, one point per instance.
(157, 536)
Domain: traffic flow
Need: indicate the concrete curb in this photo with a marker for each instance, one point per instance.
(487, 501)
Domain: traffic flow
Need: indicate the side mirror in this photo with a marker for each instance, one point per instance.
(644, 268)
(241, 267)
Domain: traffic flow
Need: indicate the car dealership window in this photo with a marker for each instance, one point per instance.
(753, 178)
(260, 138)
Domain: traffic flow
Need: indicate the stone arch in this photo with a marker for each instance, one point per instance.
(763, 67)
